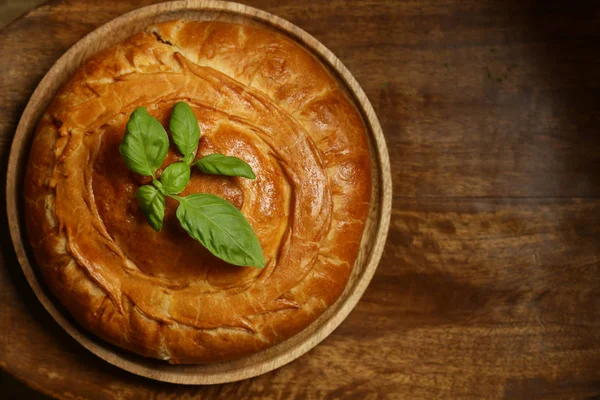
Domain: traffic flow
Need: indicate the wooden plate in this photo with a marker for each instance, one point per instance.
(373, 239)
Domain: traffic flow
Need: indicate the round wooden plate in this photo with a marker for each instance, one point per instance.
(373, 239)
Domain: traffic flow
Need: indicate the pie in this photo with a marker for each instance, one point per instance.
(259, 96)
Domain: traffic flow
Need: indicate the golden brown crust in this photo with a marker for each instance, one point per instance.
(257, 95)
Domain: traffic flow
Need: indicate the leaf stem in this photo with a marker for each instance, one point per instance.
(178, 198)
(157, 184)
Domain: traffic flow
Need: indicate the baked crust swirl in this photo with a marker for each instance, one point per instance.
(258, 96)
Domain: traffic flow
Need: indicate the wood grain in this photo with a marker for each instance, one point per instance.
(489, 286)
(373, 239)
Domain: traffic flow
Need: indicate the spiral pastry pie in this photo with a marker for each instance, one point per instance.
(258, 96)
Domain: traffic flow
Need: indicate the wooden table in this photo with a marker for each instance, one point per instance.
(490, 283)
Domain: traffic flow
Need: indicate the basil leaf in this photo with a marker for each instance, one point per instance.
(221, 228)
(175, 177)
(145, 143)
(152, 203)
(219, 164)
(159, 186)
(185, 130)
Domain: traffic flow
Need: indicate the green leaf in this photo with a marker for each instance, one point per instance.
(221, 228)
(189, 158)
(145, 143)
(152, 203)
(175, 177)
(159, 186)
(219, 164)
(185, 130)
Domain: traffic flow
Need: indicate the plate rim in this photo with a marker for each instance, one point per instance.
(19, 150)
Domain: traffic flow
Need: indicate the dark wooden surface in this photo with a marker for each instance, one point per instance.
(490, 283)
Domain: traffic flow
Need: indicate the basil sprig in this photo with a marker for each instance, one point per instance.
(211, 220)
